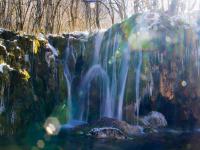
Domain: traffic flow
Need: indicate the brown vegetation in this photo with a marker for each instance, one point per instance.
(55, 16)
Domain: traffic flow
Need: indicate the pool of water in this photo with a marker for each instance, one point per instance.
(164, 140)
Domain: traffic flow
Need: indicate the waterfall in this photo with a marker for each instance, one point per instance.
(122, 80)
(2, 105)
(105, 56)
(97, 46)
(137, 85)
(198, 60)
(111, 70)
(151, 85)
(13, 116)
(114, 85)
(94, 71)
(69, 100)
(68, 79)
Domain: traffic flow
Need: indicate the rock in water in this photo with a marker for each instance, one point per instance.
(154, 120)
(123, 126)
(107, 132)
(135, 130)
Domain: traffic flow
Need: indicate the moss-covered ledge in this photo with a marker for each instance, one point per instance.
(30, 87)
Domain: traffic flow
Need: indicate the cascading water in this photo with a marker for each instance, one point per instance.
(113, 79)
(137, 85)
(114, 85)
(112, 74)
(198, 60)
(115, 57)
(69, 53)
(122, 80)
(96, 70)
(2, 103)
(97, 46)
(151, 84)
(68, 79)
(13, 116)
(2, 106)
(105, 110)
(108, 75)
(105, 56)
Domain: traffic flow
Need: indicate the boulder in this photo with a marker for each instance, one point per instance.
(128, 129)
(154, 120)
(107, 132)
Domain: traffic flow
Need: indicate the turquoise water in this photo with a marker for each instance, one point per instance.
(164, 140)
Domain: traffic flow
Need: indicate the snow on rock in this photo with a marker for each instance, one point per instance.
(107, 132)
(147, 21)
(41, 37)
(2, 46)
(2, 65)
(154, 120)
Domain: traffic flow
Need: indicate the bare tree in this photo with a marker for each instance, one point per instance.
(54, 16)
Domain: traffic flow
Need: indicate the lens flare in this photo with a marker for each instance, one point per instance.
(184, 83)
(52, 126)
(40, 144)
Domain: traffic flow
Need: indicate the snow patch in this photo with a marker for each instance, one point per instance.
(154, 119)
(41, 37)
(5, 65)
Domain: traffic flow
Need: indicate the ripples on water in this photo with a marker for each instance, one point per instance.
(168, 139)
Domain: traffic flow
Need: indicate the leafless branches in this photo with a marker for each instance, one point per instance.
(54, 16)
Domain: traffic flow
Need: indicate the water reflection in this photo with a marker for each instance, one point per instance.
(168, 139)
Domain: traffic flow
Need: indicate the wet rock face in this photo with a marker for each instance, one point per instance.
(154, 120)
(107, 132)
(129, 115)
(166, 84)
(178, 112)
(136, 130)
(196, 110)
(174, 91)
(30, 89)
(7, 35)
